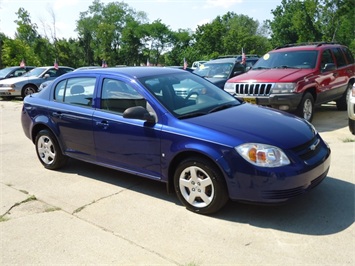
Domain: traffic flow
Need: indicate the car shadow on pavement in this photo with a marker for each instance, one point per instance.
(328, 118)
(327, 209)
(120, 179)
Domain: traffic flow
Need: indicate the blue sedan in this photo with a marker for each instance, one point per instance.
(207, 146)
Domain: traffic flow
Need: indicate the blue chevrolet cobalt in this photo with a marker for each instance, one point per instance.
(206, 146)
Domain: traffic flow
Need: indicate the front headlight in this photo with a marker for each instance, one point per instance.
(229, 87)
(263, 155)
(283, 88)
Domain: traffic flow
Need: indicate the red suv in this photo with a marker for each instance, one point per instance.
(298, 77)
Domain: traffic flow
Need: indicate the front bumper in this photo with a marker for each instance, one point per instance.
(278, 185)
(9, 91)
(286, 102)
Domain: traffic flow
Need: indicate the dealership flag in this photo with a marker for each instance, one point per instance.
(22, 64)
(148, 64)
(185, 63)
(104, 64)
(243, 57)
(56, 64)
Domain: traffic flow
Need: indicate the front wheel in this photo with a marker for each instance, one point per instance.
(48, 150)
(30, 89)
(306, 107)
(200, 186)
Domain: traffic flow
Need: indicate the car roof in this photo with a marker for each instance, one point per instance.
(223, 60)
(19, 67)
(306, 46)
(134, 72)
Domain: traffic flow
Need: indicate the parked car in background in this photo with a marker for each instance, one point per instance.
(29, 82)
(15, 71)
(183, 68)
(298, 77)
(250, 62)
(351, 110)
(130, 119)
(218, 71)
(197, 64)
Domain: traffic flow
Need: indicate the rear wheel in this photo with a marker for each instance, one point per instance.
(200, 186)
(306, 107)
(342, 103)
(48, 150)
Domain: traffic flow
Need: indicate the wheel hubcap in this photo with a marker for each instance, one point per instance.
(46, 150)
(196, 187)
(307, 109)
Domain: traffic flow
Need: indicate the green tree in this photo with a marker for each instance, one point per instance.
(157, 39)
(100, 29)
(26, 30)
(16, 50)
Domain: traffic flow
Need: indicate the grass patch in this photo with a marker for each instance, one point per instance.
(3, 219)
(52, 209)
(348, 140)
(78, 209)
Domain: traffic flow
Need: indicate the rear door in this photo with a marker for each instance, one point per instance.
(72, 114)
(331, 81)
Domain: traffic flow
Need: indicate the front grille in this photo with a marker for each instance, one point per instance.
(253, 89)
(309, 149)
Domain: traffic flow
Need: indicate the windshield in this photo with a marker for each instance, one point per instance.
(4, 72)
(36, 72)
(214, 70)
(187, 95)
(293, 59)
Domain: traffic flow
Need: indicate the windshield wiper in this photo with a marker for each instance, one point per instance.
(190, 115)
(222, 107)
(258, 68)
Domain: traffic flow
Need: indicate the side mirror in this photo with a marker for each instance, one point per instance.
(46, 76)
(329, 67)
(138, 112)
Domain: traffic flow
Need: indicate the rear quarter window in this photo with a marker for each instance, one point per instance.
(339, 56)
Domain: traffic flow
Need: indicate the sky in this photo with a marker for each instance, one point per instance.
(176, 14)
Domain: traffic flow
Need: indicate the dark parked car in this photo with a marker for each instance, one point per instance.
(30, 82)
(15, 71)
(208, 146)
(218, 71)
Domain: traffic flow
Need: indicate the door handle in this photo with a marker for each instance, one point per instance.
(103, 124)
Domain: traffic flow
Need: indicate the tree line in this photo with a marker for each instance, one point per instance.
(119, 35)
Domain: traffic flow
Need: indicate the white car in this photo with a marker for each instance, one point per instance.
(351, 110)
(29, 82)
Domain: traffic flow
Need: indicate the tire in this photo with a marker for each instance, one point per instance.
(342, 103)
(306, 107)
(352, 126)
(48, 150)
(29, 89)
(200, 186)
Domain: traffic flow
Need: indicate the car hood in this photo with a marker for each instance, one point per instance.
(252, 123)
(272, 75)
(16, 80)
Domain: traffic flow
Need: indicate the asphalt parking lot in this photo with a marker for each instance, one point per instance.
(86, 214)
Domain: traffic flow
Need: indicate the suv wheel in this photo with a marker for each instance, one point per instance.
(306, 107)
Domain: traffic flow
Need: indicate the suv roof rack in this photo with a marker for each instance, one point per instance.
(237, 55)
(305, 43)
